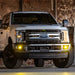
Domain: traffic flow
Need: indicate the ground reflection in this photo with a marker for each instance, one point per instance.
(39, 73)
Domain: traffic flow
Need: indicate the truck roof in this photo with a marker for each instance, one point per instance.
(38, 12)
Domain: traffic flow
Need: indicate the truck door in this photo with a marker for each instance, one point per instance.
(2, 39)
(4, 33)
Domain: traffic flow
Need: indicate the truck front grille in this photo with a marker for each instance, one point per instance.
(43, 41)
(49, 37)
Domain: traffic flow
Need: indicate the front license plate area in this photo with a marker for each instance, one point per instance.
(42, 49)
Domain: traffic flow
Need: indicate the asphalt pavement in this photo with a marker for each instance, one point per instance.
(32, 68)
(48, 69)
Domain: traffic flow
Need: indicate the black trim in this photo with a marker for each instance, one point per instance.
(22, 55)
(48, 55)
(42, 55)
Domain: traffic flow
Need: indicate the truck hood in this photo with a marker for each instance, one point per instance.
(39, 27)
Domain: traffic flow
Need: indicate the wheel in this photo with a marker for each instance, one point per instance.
(9, 59)
(65, 62)
(39, 62)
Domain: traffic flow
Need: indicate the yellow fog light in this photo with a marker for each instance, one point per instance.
(65, 47)
(19, 47)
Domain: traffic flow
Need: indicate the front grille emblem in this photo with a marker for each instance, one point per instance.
(43, 35)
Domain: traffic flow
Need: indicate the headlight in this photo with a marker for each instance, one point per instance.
(19, 36)
(65, 47)
(65, 37)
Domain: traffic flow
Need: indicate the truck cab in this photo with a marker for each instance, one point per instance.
(35, 35)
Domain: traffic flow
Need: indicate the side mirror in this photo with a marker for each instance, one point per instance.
(65, 23)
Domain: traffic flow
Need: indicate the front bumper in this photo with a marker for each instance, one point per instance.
(51, 53)
(41, 55)
(44, 53)
(48, 55)
(49, 48)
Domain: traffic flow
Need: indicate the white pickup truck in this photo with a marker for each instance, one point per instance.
(34, 35)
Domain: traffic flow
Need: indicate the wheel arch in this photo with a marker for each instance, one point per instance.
(10, 40)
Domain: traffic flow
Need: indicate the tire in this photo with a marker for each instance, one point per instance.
(9, 58)
(65, 62)
(39, 62)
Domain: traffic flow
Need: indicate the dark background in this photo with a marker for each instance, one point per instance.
(61, 9)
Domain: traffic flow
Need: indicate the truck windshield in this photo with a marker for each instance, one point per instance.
(25, 18)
